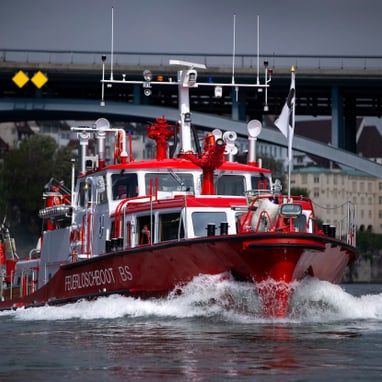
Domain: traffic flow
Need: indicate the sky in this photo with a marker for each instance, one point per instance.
(329, 27)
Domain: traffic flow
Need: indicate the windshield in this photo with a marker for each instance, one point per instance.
(124, 185)
(230, 185)
(260, 182)
(169, 182)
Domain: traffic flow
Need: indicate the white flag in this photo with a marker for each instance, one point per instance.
(285, 122)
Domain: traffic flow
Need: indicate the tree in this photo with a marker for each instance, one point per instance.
(368, 243)
(299, 191)
(277, 169)
(26, 171)
(3, 202)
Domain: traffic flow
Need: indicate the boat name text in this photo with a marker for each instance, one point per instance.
(97, 277)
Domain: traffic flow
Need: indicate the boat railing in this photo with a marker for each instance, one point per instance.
(122, 209)
(264, 222)
(63, 194)
(222, 60)
(266, 213)
(29, 282)
(253, 194)
(311, 222)
(261, 213)
(344, 226)
(21, 283)
(87, 237)
(117, 239)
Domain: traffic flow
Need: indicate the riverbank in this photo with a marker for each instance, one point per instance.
(366, 269)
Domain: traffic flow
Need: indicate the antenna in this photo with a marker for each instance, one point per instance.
(258, 49)
(233, 57)
(233, 48)
(112, 44)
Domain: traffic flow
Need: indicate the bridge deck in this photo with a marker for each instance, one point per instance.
(351, 85)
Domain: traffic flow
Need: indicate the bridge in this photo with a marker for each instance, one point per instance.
(341, 87)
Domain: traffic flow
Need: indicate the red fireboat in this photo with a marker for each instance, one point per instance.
(144, 228)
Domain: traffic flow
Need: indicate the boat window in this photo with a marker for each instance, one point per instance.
(124, 185)
(169, 182)
(170, 227)
(201, 220)
(144, 224)
(229, 185)
(260, 182)
(101, 190)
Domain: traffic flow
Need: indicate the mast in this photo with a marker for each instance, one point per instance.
(112, 43)
(291, 127)
(186, 79)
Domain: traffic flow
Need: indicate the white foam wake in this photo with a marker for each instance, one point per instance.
(222, 298)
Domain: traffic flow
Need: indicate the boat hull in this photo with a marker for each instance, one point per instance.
(156, 270)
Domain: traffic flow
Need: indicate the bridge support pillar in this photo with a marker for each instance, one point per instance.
(137, 94)
(350, 139)
(238, 106)
(337, 118)
(344, 125)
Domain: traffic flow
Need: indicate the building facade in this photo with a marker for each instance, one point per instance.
(332, 189)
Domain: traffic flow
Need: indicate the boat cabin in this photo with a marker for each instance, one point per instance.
(123, 204)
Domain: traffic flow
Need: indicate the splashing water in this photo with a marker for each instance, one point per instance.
(223, 298)
(320, 300)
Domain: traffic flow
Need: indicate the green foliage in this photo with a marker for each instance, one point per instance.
(368, 242)
(3, 201)
(276, 167)
(299, 191)
(26, 171)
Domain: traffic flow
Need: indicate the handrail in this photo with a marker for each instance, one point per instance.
(242, 61)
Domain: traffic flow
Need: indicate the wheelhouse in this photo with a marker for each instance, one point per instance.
(175, 219)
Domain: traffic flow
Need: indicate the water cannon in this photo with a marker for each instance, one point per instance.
(217, 134)
(219, 142)
(254, 129)
(229, 138)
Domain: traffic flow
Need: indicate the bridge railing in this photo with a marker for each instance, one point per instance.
(242, 61)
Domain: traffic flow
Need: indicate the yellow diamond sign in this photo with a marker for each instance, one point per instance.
(20, 79)
(39, 79)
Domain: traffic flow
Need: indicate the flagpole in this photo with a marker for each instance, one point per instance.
(291, 133)
(285, 122)
(289, 175)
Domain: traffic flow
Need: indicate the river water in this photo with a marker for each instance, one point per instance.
(214, 331)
